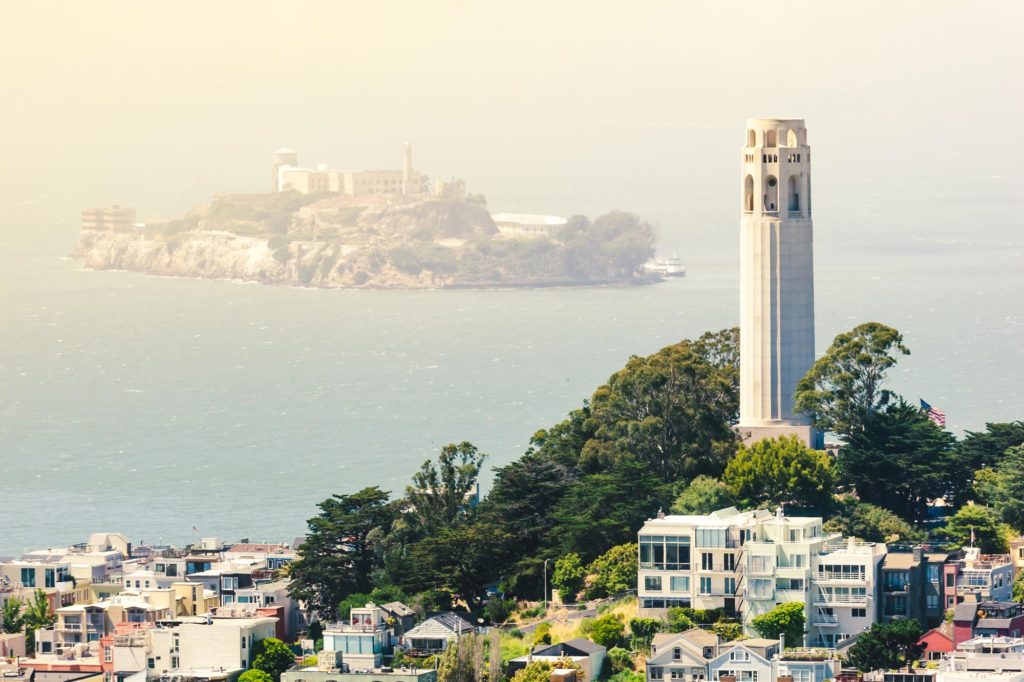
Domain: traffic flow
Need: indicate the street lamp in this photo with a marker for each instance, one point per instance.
(546, 586)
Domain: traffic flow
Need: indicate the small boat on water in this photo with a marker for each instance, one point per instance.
(666, 267)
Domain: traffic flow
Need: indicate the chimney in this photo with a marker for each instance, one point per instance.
(918, 553)
(661, 514)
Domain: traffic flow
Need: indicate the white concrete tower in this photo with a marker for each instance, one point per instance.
(776, 279)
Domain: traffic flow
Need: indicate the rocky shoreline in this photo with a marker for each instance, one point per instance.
(218, 255)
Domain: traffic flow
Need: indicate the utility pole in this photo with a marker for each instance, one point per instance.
(546, 586)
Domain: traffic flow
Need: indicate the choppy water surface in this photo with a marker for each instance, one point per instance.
(151, 405)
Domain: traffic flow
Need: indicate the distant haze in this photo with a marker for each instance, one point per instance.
(542, 106)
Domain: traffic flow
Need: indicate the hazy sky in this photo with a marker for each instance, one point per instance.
(542, 106)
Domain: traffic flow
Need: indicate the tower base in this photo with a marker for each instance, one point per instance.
(808, 435)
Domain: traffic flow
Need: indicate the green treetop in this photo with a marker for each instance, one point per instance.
(781, 471)
(844, 387)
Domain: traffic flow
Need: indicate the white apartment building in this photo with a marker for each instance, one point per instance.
(748, 562)
(843, 597)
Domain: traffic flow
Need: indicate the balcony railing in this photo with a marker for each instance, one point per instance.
(825, 621)
(829, 599)
(823, 576)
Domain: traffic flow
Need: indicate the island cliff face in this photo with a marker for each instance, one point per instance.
(370, 242)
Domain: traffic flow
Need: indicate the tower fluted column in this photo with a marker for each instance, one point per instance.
(776, 279)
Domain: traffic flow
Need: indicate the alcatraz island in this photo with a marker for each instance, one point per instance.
(333, 228)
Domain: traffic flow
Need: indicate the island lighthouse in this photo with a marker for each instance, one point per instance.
(776, 279)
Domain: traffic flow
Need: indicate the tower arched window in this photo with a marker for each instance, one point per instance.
(748, 194)
(770, 138)
(751, 138)
(794, 193)
(791, 139)
(771, 194)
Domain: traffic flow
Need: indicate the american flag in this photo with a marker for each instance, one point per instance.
(935, 414)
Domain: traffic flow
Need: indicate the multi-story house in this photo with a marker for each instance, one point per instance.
(844, 594)
(205, 643)
(979, 577)
(362, 640)
(748, 562)
(681, 656)
(905, 586)
(697, 655)
(935, 590)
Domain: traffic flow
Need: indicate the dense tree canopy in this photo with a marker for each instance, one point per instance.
(843, 388)
(337, 557)
(781, 471)
(785, 619)
(671, 411)
(901, 462)
(869, 522)
(887, 646)
(568, 577)
(977, 525)
(272, 656)
(438, 495)
(613, 572)
(703, 495)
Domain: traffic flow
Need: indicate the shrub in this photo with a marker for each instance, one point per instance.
(608, 630)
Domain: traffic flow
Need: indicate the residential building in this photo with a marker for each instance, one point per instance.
(583, 652)
(362, 640)
(748, 562)
(972, 620)
(980, 577)
(747, 660)
(401, 617)
(937, 642)
(935, 591)
(1017, 554)
(434, 634)
(196, 643)
(986, 655)
(682, 656)
(905, 586)
(339, 674)
(845, 582)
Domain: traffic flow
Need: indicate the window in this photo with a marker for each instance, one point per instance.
(949, 580)
(859, 613)
(28, 577)
(669, 553)
(707, 561)
(161, 568)
(175, 664)
(243, 642)
(678, 673)
(739, 655)
(705, 585)
(48, 578)
(680, 584)
(652, 583)
(151, 663)
(108, 655)
(933, 601)
(657, 673)
(730, 562)
(933, 572)
(896, 580)
(730, 585)
(677, 655)
(710, 537)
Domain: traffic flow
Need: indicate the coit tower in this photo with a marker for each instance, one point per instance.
(776, 279)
